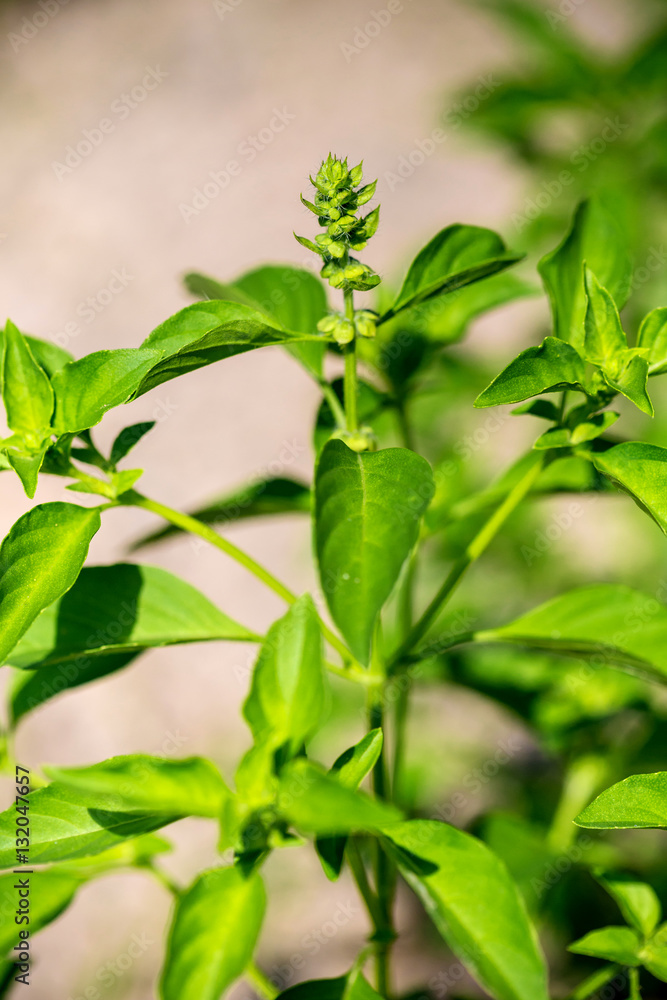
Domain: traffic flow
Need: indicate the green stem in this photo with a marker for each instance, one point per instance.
(358, 870)
(635, 987)
(334, 403)
(195, 527)
(162, 877)
(350, 380)
(471, 554)
(594, 982)
(261, 982)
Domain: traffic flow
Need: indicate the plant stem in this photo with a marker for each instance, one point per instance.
(474, 550)
(195, 527)
(594, 982)
(261, 982)
(334, 403)
(635, 987)
(162, 877)
(350, 381)
(358, 870)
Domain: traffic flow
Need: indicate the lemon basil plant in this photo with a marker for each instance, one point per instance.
(376, 513)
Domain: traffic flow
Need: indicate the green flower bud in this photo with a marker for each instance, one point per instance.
(365, 322)
(362, 440)
(337, 250)
(328, 323)
(344, 332)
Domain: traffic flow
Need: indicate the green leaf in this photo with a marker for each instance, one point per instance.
(207, 332)
(213, 935)
(350, 769)
(637, 803)
(604, 339)
(288, 694)
(367, 513)
(653, 338)
(631, 381)
(654, 954)
(87, 388)
(587, 430)
(641, 471)
(637, 901)
(603, 623)
(63, 827)
(294, 298)
(455, 876)
(127, 439)
(352, 987)
(26, 390)
(141, 783)
(49, 356)
(457, 256)
(50, 892)
(316, 802)
(551, 367)
(596, 239)
(446, 318)
(119, 609)
(265, 497)
(27, 467)
(616, 944)
(40, 558)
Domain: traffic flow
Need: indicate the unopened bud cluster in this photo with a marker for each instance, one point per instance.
(344, 330)
(338, 195)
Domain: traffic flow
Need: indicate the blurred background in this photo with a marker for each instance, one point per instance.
(142, 140)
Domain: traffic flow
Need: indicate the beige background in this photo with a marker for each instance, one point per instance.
(225, 71)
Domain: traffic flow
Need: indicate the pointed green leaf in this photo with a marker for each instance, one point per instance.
(594, 239)
(63, 827)
(551, 367)
(352, 987)
(141, 783)
(27, 467)
(641, 471)
(604, 623)
(87, 388)
(455, 876)
(288, 694)
(587, 430)
(316, 802)
(637, 803)
(653, 338)
(207, 332)
(264, 497)
(350, 769)
(119, 609)
(636, 900)
(48, 356)
(632, 380)
(616, 944)
(26, 390)
(40, 559)
(127, 439)
(213, 935)
(457, 256)
(51, 892)
(654, 954)
(367, 512)
(604, 339)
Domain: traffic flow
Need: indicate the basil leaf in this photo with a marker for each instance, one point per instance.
(207, 332)
(315, 802)
(87, 388)
(604, 339)
(127, 439)
(51, 892)
(145, 784)
(637, 803)
(456, 256)
(121, 609)
(62, 827)
(26, 390)
(637, 901)
(213, 935)
(603, 623)
(616, 944)
(551, 367)
(641, 471)
(352, 987)
(288, 694)
(653, 338)
(596, 239)
(367, 512)
(41, 557)
(455, 875)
